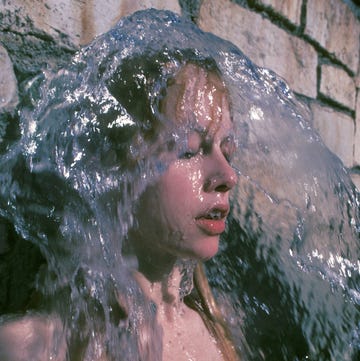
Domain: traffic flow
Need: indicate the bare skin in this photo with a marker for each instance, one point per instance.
(185, 337)
(34, 337)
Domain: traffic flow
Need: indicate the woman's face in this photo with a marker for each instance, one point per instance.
(185, 211)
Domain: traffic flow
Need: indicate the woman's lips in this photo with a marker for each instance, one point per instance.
(211, 227)
(213, 221)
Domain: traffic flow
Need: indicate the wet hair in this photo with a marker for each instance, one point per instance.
(140, 84)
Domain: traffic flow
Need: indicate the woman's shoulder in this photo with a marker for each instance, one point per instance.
(32, 337)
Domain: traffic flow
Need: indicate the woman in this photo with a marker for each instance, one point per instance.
(91, 184)
(189, 205)
(153, 136)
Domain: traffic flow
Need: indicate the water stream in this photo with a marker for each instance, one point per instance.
(287, 274)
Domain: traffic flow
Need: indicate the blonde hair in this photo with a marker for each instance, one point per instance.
(193, 88)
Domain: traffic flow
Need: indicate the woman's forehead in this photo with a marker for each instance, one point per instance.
(195, 79)
(195, 94)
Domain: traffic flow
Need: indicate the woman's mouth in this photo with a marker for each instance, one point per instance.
(213, 222)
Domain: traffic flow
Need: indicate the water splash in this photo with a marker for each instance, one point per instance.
(287, 276)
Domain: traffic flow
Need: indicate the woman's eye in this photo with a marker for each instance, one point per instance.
(188, 154)
(192, 147)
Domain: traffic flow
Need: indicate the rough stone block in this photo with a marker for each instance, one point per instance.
(337, 85)
(99, 16)
(291, 10)
(334, 26)
(263, 42)
(81, 20)
(337, 131)
(59, 20)
(8, 84)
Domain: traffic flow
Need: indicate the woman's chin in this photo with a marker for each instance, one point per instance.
(206, 248)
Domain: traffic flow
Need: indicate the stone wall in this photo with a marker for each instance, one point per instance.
(313, 45)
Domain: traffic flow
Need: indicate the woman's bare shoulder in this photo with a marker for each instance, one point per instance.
(32, 337)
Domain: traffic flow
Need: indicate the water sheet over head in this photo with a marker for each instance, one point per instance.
(287, 276)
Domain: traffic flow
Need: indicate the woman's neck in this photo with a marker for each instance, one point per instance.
(165, 293)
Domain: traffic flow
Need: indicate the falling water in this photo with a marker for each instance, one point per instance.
(287, 274)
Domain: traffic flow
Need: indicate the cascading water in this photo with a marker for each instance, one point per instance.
(287, 275)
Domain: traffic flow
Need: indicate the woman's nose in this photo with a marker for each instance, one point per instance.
(221, 178)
